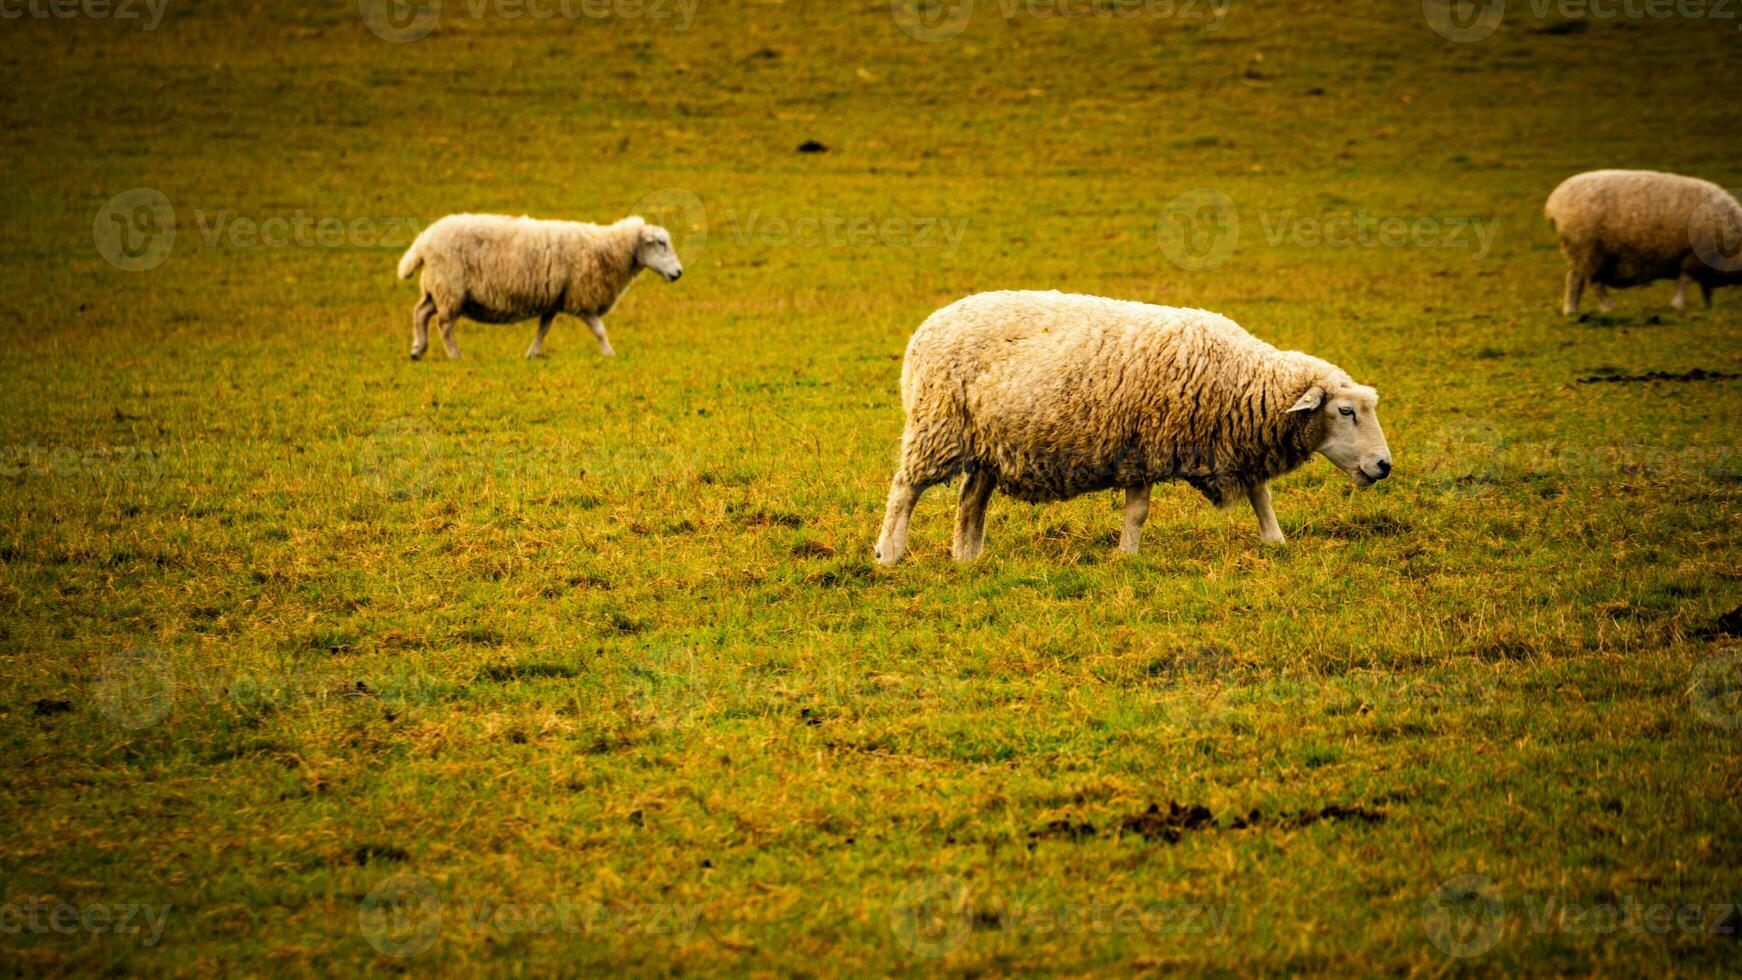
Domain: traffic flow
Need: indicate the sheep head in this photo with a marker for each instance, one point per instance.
(653, 250)
(1343, 426)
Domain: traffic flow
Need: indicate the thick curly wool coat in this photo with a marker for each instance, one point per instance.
(496, 269)
(1061, 395)
(1631, 227)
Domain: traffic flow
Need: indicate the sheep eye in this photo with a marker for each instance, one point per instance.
(1347, 411)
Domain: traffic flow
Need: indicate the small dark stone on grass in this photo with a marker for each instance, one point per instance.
(1336, 811)
(503, 673)
(371, 853)
(45, 708)
(812, 146)
(1168, 825)
(1729, 624)
(1064, 829)
(1171, 824)
(1697, 374)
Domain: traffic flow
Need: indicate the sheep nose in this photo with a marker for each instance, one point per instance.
(1384, 468)
(677, 275)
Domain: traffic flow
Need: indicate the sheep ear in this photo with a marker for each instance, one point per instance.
(1314, 397)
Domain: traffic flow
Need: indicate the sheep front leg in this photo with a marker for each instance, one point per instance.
(1706, 293)
(971, 514)
(1679, 301)
(1575, 289)
(892, 543)
(598, 327)
(1136, 512)
(537, 347)
(1268, 529)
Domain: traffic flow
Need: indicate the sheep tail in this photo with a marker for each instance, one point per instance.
(413, 258)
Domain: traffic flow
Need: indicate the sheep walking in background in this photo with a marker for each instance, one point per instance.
(1633, 227)
(496, 269)
(1047, 396)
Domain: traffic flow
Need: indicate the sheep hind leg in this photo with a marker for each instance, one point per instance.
(537, 347)
(1575, 289)
(1679, 301)
(420, 327)
(1602, 292)
(1136, 512)
(971, 514)
(1706, 293)
(447, 323)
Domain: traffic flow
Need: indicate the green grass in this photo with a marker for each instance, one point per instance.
(284, 616)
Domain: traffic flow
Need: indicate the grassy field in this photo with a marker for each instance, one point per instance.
(316, 659)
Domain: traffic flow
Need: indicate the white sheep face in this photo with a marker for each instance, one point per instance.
(656, 252)
(1350, 434)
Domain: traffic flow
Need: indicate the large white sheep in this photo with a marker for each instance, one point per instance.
(1047, 396)
(496, 269)
(1633, 227)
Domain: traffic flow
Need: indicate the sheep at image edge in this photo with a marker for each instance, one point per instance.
(1634, 227)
